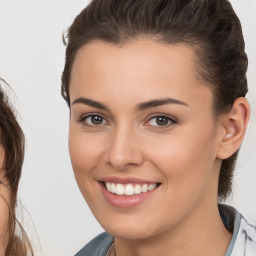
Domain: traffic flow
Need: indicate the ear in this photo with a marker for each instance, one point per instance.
(234, 126)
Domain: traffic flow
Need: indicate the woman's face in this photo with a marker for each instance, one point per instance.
(143, 140)
(4, 200)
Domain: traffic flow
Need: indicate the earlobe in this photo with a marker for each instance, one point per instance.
(234, 124)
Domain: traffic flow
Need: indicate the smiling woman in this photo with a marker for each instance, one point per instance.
(156, 91)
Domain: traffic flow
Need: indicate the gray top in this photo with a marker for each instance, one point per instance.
(98, 246)
(243, 240)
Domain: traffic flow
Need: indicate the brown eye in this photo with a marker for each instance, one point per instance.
(160, 121)
(96, 120)
(93, 120)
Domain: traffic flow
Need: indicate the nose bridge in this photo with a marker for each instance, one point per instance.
(123, 150)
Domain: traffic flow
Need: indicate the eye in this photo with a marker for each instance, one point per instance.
(161, 121)
(93, 120)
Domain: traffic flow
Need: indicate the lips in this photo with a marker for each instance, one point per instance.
(127, 193)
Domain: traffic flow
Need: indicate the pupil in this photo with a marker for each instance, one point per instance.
(162, 121)
(96, 119)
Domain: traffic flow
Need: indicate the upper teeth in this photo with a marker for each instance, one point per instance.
(128, 189)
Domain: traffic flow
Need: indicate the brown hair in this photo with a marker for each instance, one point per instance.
(12, 140)
(210, 27)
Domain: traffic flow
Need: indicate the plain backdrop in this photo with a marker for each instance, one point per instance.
(31, 61)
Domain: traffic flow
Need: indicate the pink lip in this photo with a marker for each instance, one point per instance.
(126, 201)
(126, 180)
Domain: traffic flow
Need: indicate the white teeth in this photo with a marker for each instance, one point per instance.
(151, 186)
(129, 189)
(144, 188)
(120, 189)
(113, 188)
(109, 186)
(137, 189)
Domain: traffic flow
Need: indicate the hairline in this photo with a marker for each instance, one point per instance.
(194, 45)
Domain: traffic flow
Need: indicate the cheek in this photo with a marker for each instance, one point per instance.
(84, 156)
(183, 153)
(4, 212)
(188, 170)
(5, 198)
(186, 163)
(84, 153)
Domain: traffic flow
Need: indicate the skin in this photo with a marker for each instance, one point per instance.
(4, 212)
(184, 156)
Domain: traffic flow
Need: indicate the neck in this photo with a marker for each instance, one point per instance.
(202, 234)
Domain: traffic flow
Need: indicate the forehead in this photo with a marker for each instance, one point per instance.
(140, 54)
(144, 68)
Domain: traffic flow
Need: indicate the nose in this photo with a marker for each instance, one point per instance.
(124, 150)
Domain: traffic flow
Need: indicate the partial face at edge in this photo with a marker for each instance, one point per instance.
(140, 116)
(4, 211)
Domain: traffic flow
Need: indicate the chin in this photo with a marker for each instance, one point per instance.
(129, 234)
(130, 228)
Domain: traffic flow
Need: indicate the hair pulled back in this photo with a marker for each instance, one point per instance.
(210, 27)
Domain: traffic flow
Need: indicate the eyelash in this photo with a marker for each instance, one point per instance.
(171, 121)
(82, 120)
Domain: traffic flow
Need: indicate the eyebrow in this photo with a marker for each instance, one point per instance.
(160, 102)
(92, 103)
(140, 107)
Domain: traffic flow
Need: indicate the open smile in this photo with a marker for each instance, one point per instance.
(127, 193)
(129, 189)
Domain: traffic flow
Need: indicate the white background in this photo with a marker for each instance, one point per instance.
(31, 61)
